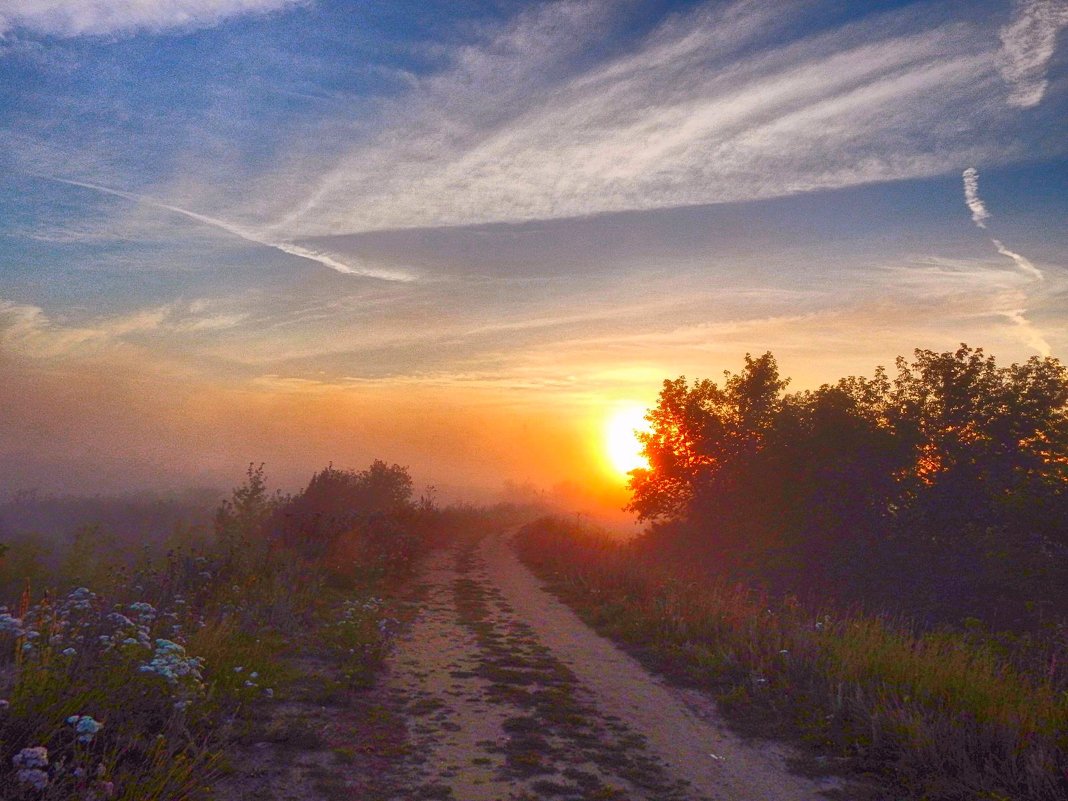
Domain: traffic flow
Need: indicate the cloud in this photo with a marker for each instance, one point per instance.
(971, 197)
(1021, 262)
(719, 104)
(1030, 335)
(28, 331)
(252, 236)
(67, 18)
(1027, 45)
(980, 215)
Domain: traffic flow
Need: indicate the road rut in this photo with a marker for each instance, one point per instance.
(510, 697)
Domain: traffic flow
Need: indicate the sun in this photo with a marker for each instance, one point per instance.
(621, 443)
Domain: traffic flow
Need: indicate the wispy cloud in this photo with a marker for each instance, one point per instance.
(95, 17)
(971, 197)
(1027, 45)
(291, 248)
(710, 107)
(1024, 264)
(29, 331)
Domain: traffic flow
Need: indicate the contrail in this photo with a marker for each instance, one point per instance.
(249, 236)
(1031, 335)
(980, 215)
(972, 199)
(1021, 262)
(1028, 332)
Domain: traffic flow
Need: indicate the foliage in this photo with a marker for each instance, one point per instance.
(941, 716)
(136, 689)
(953, 466)
(335, 501)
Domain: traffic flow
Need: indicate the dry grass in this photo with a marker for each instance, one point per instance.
(939, 716)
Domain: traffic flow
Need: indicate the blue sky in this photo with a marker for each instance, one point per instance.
(523, 206)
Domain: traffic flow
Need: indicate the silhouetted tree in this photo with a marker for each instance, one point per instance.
(951, 479)
(696, 430)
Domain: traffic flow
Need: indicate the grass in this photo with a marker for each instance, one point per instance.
(173, 663)
(938, 717)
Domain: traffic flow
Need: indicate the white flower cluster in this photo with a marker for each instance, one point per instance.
(9, 624)
(85, 727)
(172, 663)
(31, 767)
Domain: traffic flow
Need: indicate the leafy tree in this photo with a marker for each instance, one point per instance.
(696, 430)
(948, 480)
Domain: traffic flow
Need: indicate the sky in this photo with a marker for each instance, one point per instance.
(463, 236)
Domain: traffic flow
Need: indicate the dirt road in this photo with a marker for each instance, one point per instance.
(510, 696)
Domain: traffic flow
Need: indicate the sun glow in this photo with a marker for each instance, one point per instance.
(621, 441)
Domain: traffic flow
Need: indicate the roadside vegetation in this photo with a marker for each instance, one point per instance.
(937, 715)
(135, 673)
(875, 568)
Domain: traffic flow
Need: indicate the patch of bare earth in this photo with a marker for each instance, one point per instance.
(510, 696)
(496, 691)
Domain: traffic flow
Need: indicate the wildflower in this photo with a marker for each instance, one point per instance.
(80, 599)
(4, 703)
(144, 611)
(10, 624)
(239, 668)
(31, 765)
(85, 727)
(170, 662)
(36, 757)
(269, 692)
(68, 652)
(37, 779)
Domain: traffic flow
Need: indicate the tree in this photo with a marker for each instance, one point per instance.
(947, 483)
(696, 430)
(242, 519)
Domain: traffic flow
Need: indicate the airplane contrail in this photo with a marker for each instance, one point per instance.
(1022, 262)
(249, 236)
(980, 215)
(972, 199)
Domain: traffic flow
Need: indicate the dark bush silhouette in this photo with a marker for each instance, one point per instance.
(942, 490)
(337, 501)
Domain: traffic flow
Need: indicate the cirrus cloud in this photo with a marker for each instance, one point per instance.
(67, 18)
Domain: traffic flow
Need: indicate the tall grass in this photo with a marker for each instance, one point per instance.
(138, 687)
(940, 716)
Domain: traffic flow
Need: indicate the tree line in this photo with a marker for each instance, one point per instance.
(940, 489)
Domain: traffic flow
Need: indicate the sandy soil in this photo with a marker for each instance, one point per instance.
(510, 696)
